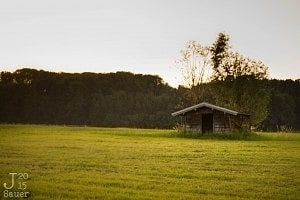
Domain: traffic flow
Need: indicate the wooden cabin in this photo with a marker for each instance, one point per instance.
(206, 117)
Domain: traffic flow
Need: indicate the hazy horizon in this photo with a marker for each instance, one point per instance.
(144, 36)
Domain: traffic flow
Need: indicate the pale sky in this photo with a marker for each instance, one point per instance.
(144, 36)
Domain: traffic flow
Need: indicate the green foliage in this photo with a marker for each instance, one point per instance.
(245, 94)
(114, 99)
(237, 82)
(284, 107)
(122, 163)
(284, 104)
(135, 100)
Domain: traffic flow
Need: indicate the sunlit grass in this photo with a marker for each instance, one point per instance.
(121, 163)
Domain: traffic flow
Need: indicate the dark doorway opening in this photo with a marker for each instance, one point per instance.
(207, 123)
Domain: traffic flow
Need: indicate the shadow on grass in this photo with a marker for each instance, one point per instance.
(155, 133)
(240, 135)
(237, 135)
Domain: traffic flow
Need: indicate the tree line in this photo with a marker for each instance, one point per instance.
(124, 99)
(213, 73)
(113, 99)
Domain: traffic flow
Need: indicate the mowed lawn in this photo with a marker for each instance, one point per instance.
(103, 163)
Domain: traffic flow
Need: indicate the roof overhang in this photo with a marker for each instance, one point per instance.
(208, 105)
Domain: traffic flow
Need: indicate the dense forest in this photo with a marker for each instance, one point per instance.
(113, 99)
(123, 99)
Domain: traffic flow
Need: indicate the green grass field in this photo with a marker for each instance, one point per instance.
(102, 163)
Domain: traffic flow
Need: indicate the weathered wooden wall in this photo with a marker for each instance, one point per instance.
(221, 121)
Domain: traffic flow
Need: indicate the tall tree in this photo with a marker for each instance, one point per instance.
(229, 63)
(219, 51)
(194, 67)
(238, 81)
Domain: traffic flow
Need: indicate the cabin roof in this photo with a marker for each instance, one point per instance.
(208, 105)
